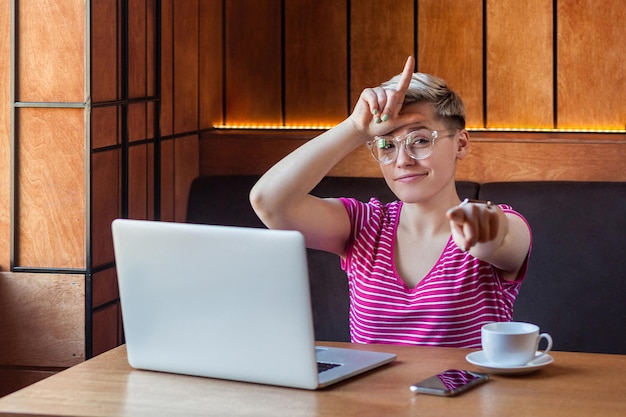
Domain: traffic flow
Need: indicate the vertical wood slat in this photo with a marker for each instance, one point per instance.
(186, 168)
(105, 204)
(138, 184)
(591, 69)
(167, 180)
(520, 64)
(104, 287)
(49, 29)
(450, 46)
(211, 64)
(253, 62)
(105, 126)
(185, 66)
(106, 324)
(104, 51)
(138, 54)
(316, 70)
(51, 188)
(167, 69)
(381, 39)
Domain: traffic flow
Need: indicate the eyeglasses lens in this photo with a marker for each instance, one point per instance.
(417, 144)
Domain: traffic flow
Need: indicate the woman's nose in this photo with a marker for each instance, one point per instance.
(403, 158)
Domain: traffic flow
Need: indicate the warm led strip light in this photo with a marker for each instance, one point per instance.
(274, 127)
(543, 130)
(474, 129)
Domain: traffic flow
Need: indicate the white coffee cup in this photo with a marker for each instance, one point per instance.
(512, 343)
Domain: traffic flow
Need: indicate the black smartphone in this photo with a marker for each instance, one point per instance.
(450, 382)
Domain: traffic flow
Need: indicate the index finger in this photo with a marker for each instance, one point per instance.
(407, 74)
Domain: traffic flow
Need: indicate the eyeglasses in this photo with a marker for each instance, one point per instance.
(418, 144)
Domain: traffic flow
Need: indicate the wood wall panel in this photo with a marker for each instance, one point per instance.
(253, 62)
(44, 314)
(315, 29)
(49, 29)
(185, 66)
(167, 180)
(104, 288)
(138, 184)
(533, 158)
(104, 126)
(106, 324)
(211, 63)
(51, 188)
(498, 161)
(381, 39)
(519, 64)
(167, 69)
(186, 168)
(137, 48)
(5, 134)
(591, 70)
(141, 182)
(104, 51)
(105, 204)
(450, 46)
(137, 121)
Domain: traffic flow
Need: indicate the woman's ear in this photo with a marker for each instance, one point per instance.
(462, 144)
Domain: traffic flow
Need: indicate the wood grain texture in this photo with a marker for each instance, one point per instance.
(104, 57)
(105, 126)
(513, 161)
(253, 91)
(48, 30)
(450, 46)
(106, 324)
(186, 168)
(575, 385)
(211, 63)
(44, 314)
(105, 204)
(167, 180)
(51, 188)
(316, 62)
(519, 64)
(166, 117)
(185, 63)
(139, 184)
(5, 135)
(517, 157)
(137, 121)
(591, 74)
(138, 53)
(104, 287)
(381, 39)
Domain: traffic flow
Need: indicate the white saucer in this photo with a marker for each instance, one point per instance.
(478, 359)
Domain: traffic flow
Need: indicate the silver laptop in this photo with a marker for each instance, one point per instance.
(224, 302)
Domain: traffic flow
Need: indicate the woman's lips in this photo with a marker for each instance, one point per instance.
(410, 177)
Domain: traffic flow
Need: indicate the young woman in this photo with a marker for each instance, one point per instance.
(426, 269)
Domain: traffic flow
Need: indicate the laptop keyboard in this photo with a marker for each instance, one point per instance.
(325, 366)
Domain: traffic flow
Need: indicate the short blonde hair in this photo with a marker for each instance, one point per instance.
(426, 88)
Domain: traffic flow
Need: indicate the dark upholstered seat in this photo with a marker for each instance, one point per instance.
(576, 283)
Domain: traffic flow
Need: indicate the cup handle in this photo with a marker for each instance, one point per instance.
(547, 349)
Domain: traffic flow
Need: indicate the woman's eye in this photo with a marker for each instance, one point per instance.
(419, 141)
(385, 144)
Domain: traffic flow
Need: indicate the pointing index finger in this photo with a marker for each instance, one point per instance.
(407, 74)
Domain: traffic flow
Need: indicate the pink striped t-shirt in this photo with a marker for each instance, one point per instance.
(446, 308)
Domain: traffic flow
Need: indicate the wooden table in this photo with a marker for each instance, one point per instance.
(576, 384)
